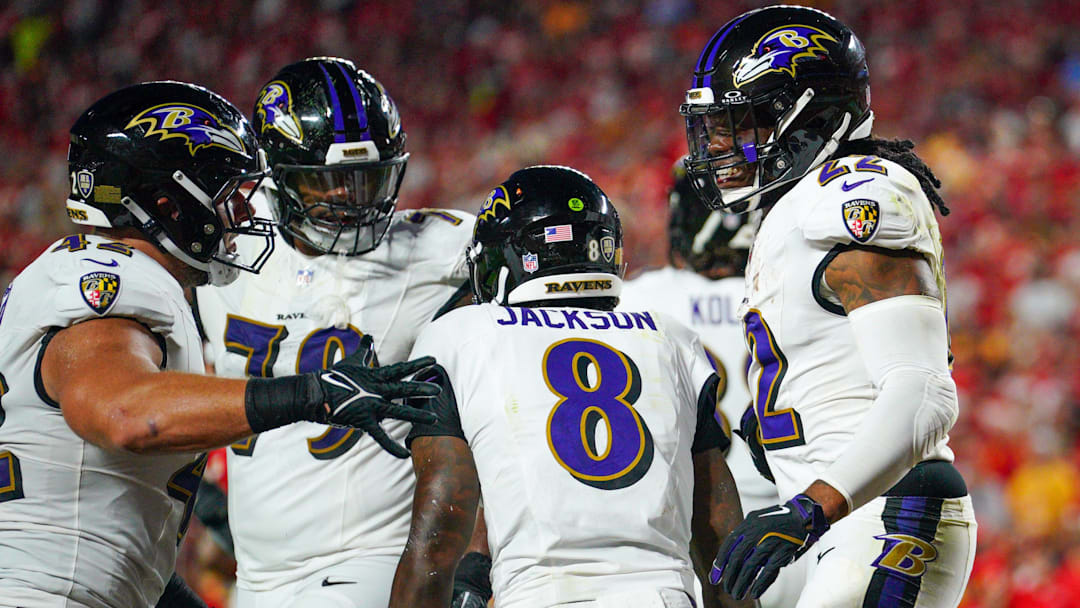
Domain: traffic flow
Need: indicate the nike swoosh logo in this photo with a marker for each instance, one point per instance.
(846, 187)
(114, 262)
(823, 553)
(784, 510)
(326, 582)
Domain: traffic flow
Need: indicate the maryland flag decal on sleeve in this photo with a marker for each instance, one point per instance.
(99, 290)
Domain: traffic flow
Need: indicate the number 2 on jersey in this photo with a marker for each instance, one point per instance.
(573, 424)
(260, 342)
(779, 428)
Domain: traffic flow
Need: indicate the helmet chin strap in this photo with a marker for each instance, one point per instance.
(752, 195)
(220, 274)
(833, 143)
(863, 129)
(500, 295)
(748, 194)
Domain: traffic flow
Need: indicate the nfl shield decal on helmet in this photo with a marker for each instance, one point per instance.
(861, 218)
(530, 263)
(84, 183)
(607, 247)
(99, 290)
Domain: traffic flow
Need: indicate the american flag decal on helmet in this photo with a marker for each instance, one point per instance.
(558, 234)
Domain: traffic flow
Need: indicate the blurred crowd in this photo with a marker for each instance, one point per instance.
(990, 92)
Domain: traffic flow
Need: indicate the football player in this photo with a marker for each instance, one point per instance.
(589, 432)
(102, 403)
(702, 288)
(844, 318)
(320, 515)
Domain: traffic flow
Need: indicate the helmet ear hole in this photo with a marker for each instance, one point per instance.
(167, 208)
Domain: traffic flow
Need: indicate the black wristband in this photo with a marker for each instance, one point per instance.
(474, 574)
(273, 402)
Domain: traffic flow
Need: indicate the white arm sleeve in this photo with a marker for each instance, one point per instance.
(904, 342)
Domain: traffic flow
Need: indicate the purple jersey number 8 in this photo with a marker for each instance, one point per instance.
(574, 421)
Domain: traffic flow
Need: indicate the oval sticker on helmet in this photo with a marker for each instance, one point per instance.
(576, 204)
(607, 247)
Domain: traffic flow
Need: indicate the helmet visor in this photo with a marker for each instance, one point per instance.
(340, 208)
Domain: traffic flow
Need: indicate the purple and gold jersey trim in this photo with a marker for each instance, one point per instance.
(10, 477)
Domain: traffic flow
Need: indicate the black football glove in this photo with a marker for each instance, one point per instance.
(212, 511)
(750, 430)
(177, 594)
(472, 581)
(359, 395)
(767, 540)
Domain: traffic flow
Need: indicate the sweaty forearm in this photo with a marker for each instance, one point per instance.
(178, 412)
(717, 510)
(444, 511)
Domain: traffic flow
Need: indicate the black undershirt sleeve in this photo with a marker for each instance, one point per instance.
(708, 434)
(444, 405)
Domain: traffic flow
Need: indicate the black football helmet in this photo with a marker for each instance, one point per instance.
(546, 233)
(178, 163)
(337, 151)
(775, 92)
(714, 243)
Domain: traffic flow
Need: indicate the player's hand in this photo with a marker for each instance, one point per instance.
(767, 540)
(750, 430)
(359, 395)
(472, 582)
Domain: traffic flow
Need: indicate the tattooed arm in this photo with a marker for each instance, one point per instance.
(444, 511)
(861, 276)
(716, 513)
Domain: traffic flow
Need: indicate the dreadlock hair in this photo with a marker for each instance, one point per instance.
(899, 151)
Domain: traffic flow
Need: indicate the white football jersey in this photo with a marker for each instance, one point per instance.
(308, 496)
(710, 308)
(80, 525)
(809, 384)
(581, 424)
